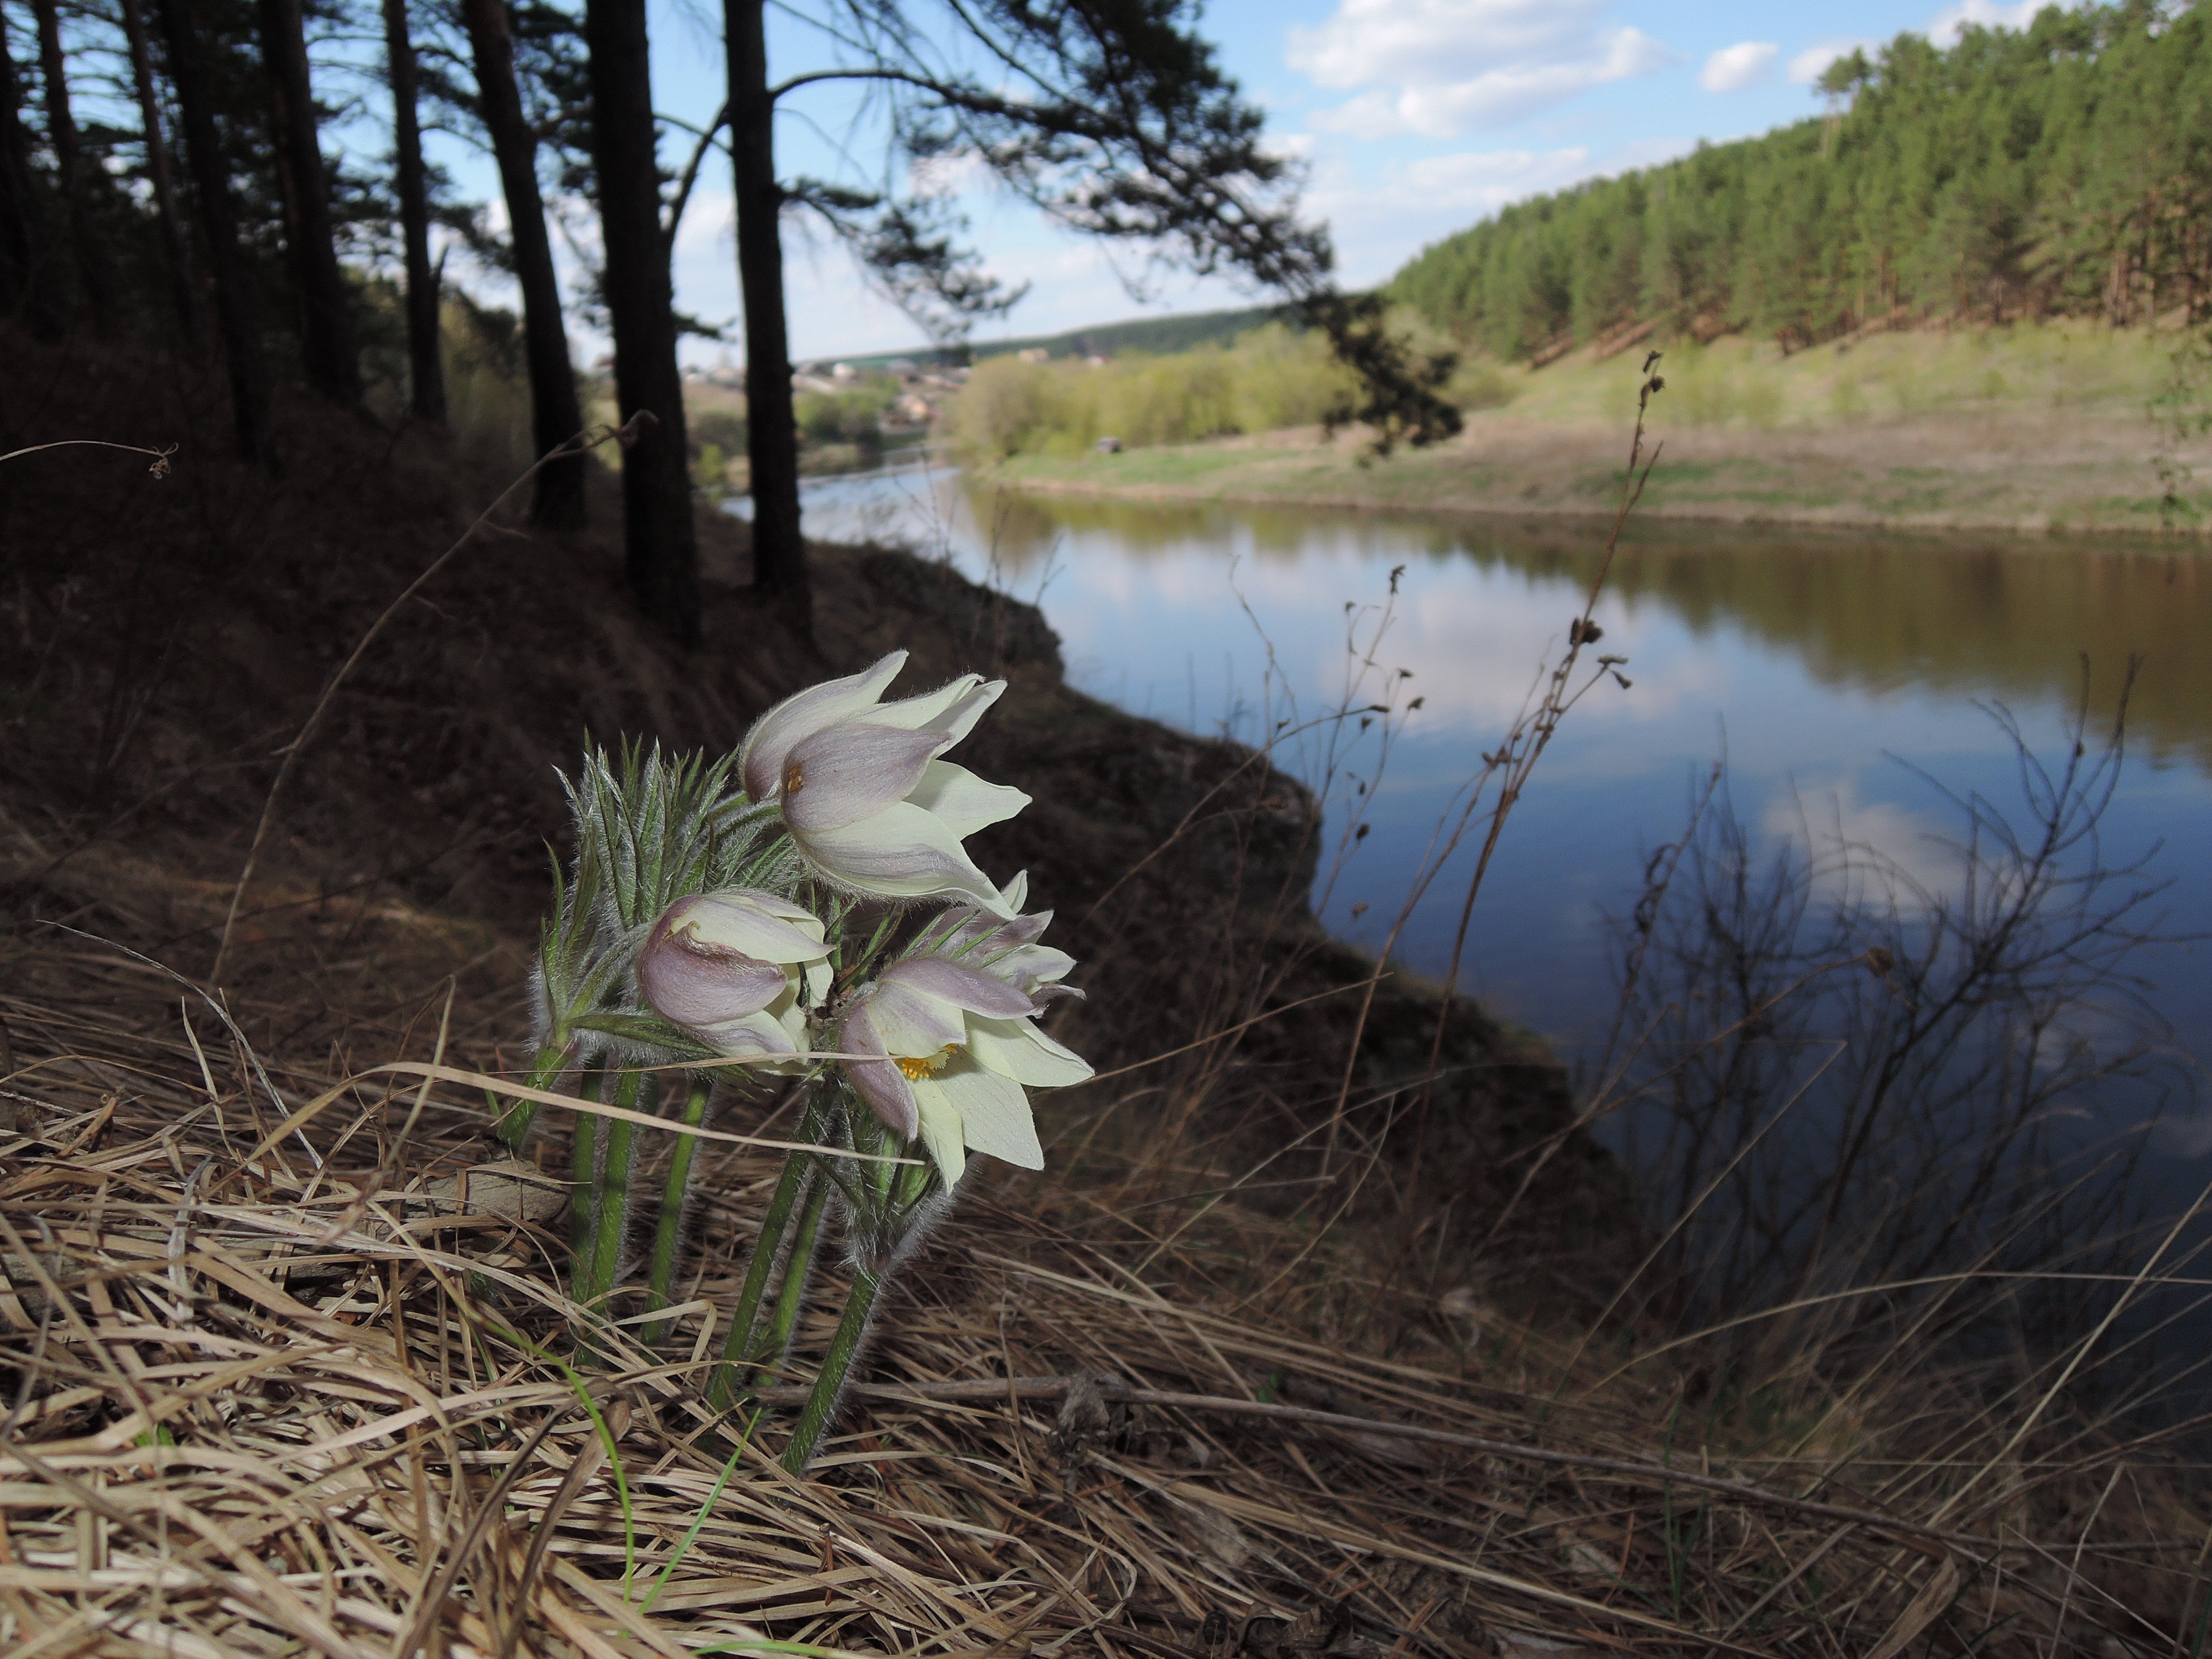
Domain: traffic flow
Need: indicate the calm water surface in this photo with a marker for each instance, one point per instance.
(1826, 667)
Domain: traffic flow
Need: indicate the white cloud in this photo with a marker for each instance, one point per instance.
(1810, 65)
(1744, 65)
(1480, 182)
(1440, 68)
(1987, 14)
(1371, 115)
(1863, 850)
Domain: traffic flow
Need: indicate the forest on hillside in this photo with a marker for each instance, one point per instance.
(2065, 169)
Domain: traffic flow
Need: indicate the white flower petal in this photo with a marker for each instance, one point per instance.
(964, 802)
(994, 1114)
(950, 711)
(850, 772)
(820, 977)
(911, 1024)
(1016, 1048)
(1033, 964)
(940, 1132)
(756, 925)
(901, 852)
(1018, 894)
(759, 1034)
(775, 734)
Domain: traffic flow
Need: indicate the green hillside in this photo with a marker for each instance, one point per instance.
(2064, 170)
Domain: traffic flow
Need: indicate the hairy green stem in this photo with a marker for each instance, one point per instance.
(637, 1091)
(775, 1341)
(663, 1270)
(822, 1402)
(545, 1071)
(583, 1160)
(723, 1389)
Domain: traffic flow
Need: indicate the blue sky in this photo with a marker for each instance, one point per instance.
(1414, 117)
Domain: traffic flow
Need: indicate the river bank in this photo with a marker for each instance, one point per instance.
(2046, 475)
(2042, 429)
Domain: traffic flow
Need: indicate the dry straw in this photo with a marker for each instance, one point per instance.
(304, 1392)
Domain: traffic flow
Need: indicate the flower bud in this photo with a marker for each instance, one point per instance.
(737, 969)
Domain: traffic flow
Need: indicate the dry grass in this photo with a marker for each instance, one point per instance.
(271, 1390)
(282, 1391)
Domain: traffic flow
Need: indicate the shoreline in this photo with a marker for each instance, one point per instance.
(2090, 473)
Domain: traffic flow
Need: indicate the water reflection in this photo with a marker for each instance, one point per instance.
(1827, 667)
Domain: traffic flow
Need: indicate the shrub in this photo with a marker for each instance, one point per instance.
(1271, 378)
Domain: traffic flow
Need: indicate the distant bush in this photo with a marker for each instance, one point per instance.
(719, 429)
(854, 416)
(1271, 378)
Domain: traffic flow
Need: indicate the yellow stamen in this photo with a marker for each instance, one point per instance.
(794, 779)
(927, 1065)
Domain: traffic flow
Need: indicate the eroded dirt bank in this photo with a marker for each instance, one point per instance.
(169, 637)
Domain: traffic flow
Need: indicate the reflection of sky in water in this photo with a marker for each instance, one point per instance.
(1151, 609)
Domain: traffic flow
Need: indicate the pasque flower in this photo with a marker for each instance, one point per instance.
(958, 1048)
(737, 969)
(1008, 949)
(863, 794)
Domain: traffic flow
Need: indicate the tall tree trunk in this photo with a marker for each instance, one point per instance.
(27, 272)
(326, 338)
(92, 275)
(772, 432)
(660, 549)
(555, 414)
(426, 370)
(210, 173)
(175, 245)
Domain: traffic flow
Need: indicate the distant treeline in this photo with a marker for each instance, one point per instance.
(1154, 336)
(2066, 169)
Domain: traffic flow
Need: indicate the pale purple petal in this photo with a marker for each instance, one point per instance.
(697, 986)
(878, 1082)
(962, 986)
(773, 735)
(850, 772)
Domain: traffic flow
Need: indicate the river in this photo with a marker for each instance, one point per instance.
(1845, 676)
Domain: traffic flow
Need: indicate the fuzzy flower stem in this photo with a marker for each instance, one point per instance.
(552, 1059)
(822, 1404)
(775, 1341)
(722, 1390)
(663, 1270)
(610, 1208)
(583, 1157)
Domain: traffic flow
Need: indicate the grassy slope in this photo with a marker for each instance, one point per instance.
(2037, 426)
